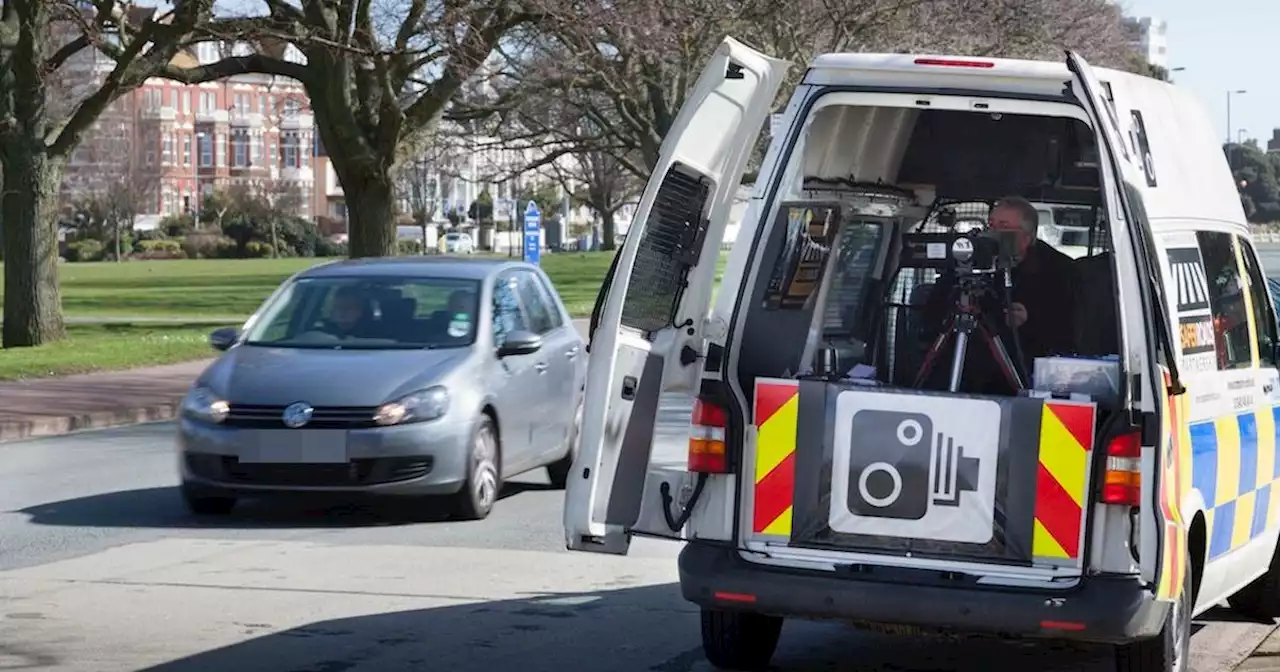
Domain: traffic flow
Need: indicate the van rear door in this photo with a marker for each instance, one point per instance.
(1141, 295)
(648, 335)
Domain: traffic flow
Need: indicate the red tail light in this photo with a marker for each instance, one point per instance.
(954, 63)
(707, 452)
(1122, 481)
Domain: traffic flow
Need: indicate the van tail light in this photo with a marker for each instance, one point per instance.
(1122, 481)
(707, 454)
(954, 63)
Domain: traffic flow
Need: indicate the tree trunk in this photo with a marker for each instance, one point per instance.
(32, 298)
(370, 212)
(607, 227)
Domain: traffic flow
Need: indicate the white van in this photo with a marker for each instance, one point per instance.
(1122, 484)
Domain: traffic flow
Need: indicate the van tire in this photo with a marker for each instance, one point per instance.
(739, 640)
(1260, 599)
(1170, 651)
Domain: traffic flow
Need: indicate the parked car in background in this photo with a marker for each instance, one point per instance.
(414, 377)
(456, 242)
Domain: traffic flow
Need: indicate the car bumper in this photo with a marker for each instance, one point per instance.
(417, 459)
(1099, 610)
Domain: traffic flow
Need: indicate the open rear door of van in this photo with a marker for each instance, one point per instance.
(1119, 171)
(647, 336)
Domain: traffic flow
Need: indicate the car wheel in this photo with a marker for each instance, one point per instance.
(207, 506)
(739, 640)
(484, 480)
(1170, 651)
(558, 471)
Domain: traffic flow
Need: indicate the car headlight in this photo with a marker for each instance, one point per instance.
(421, 406)
(202, 403)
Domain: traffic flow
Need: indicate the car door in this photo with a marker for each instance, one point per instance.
(522, 378)
(648, 335)
(561, 350)
(1146, 325)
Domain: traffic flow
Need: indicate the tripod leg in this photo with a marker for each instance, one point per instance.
(931, 356)
(1007, 366)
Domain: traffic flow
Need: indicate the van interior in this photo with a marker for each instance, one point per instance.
(867, 215)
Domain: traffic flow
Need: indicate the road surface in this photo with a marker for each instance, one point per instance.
(101, 570)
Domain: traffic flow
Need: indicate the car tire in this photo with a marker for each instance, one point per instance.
(1170, 651)
(203, 505)
(558, 471)
(739, 640)
(484, 474)
(1260, 599)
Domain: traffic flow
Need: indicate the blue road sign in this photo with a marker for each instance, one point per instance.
(532, 233)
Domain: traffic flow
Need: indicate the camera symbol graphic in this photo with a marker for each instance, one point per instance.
(899, 466)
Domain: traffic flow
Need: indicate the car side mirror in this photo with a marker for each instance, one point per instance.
(224, 338)
(520, 343)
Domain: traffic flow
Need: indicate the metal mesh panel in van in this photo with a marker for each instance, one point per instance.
(669, 247)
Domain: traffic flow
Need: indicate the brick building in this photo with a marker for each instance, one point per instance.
(168, 140)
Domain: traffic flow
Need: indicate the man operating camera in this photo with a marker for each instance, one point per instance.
(1040, 306)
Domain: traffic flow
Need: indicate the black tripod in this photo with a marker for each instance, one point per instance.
(965, 320)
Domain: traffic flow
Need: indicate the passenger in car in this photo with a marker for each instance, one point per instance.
(1040, 309)
(349, 314)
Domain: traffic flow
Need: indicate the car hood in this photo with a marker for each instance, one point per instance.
(250, 374)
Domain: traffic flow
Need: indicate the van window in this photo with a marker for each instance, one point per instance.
(1262, 310)
(1226, 300)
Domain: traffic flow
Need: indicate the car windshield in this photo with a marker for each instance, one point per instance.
(370, 313)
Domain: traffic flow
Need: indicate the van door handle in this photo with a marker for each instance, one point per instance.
(571, 352)
(540, 367)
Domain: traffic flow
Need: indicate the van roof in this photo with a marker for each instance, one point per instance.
(959, 65)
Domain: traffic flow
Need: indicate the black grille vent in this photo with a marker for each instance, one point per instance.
(362, 471)
(669, 247)
(324, 417)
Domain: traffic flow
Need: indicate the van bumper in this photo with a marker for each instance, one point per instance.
(1107, 610)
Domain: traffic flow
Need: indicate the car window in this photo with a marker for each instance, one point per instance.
(1226, 300)
(507, 316)
(553, 302)
(384, 312)
(542, 317)
(1262, 311)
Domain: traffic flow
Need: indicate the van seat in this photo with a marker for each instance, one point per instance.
(908, 338)
(1096, 322)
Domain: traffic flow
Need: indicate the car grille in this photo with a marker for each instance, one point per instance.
(363, 471)
(323, 417)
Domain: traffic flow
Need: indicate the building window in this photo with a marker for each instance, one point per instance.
(291, 107)
(255, 149)
(186, 150)
(166, 154)
(206, 101)
(206, 151)
(186, 102)
(240, 150)
(273, 157)
(289, 143)
(262, 103)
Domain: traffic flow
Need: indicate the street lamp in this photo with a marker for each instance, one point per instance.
(1229, 94)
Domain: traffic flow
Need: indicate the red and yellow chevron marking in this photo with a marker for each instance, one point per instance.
(1173, 553)
(1066, 437)
(776, 413)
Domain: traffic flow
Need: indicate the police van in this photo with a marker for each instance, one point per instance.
(1122, 484)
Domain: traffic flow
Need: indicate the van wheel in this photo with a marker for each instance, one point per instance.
(1260, 599)
(558, 471)
(484, 478)
(739, 640)
(1170, 651)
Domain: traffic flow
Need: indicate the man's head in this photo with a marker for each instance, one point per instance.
(1016, 214)
(348, 307)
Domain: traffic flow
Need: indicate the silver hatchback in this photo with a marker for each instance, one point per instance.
(409, 377)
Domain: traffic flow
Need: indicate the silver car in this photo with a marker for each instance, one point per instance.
(411, 377)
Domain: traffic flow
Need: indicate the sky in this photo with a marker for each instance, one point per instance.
(1224, 45)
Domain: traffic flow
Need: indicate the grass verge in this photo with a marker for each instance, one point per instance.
(107, 348)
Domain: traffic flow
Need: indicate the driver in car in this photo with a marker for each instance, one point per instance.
(348, 314)
(1040, 309)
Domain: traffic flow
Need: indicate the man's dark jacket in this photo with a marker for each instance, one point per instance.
(1042, 282)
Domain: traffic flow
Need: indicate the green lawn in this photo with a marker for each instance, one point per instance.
(108, 348)
(205, 292)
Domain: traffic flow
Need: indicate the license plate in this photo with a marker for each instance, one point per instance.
(297, 446)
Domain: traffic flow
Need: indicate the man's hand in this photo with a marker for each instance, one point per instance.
(1017, 314)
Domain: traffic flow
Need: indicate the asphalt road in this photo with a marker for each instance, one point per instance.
(101, 570)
